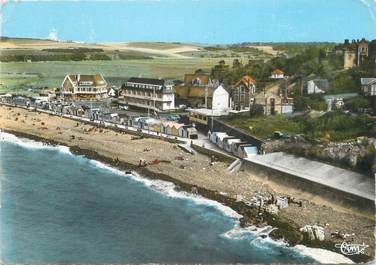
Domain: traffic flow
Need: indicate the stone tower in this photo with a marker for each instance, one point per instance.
(349, 59)
(362, 51)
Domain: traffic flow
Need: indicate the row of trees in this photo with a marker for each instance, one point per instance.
(54, 57)
(75, 56)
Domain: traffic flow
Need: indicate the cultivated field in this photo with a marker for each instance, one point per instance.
(23, 76)
(20, 72)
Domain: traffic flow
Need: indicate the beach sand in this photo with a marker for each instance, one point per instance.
(188, 169)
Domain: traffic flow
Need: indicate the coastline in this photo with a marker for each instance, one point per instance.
(221, 202)
(287, 230)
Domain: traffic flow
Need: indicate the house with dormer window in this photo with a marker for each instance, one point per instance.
(77, 86)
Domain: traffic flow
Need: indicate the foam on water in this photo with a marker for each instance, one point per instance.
(168, 189)
(323, 255)
(27, 143)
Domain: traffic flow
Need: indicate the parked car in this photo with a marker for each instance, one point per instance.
(173, 117)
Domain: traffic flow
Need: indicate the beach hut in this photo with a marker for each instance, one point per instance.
(191, 133)
(215, 136)
(222, 139)
(177, 129)
(157, 127)
(228, 144)
(164, 128)
(247, 151)
(149, 123)
(182, 131)
(235, 146)
(169, 128)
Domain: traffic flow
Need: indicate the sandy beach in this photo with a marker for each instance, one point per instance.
(188, 170)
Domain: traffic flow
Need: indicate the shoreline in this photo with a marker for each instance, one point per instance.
(289, 232)
(192, 173)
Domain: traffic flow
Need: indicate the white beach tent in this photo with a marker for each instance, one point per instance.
(247, 150)
(215, 135)
(235, 146)
(221, 141)
(228, 144)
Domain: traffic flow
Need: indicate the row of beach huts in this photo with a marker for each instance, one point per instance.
(166, 127)
(233, 145)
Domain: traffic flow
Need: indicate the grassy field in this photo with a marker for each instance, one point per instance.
(29, 65)
(333, 126)
(22, 76)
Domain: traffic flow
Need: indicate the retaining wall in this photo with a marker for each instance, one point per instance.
(212, 152)
(287, 179)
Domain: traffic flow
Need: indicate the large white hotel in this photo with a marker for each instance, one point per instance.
(149, 93)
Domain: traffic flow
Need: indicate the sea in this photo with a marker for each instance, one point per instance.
(57, 207)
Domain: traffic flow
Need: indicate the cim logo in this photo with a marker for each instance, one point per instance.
(351, 249)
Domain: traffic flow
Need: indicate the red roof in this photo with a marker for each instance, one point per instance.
(247, 80)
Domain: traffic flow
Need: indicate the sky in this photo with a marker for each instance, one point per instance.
(190, 21)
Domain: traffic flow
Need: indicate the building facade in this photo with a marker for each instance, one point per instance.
(368, 86)
(275, 104)
(242, 92)
(197, 90)
(277, 74)
(221, 99)
(77, 86)
(149, 93)
(355, 53)
(317, 86)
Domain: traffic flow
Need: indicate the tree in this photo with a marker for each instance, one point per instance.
(236, 63)
(256, 110)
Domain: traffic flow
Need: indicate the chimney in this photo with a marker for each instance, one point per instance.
(78, 77)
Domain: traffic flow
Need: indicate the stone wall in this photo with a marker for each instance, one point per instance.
(357, 155)
(329, 193)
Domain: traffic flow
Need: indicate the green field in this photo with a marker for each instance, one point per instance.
(22, 76)
(332, 126)
(30, 65)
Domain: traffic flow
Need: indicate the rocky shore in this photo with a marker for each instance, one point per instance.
(194, 173)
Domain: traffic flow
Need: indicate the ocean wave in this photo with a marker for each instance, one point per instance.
(169, 189)
(322, 255)
(28, 143)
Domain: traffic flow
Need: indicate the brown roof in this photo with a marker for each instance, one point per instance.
(192, 91)
(188, 78)
(199, 92)
(278, 72)
(97, 79)
(247, 80)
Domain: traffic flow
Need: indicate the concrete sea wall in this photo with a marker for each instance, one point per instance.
(290, 180)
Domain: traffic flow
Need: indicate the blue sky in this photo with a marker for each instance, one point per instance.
(199, 21)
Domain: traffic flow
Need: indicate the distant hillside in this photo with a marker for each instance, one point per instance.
(148, 48)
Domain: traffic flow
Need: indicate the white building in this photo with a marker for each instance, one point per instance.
(221, 99)
(277, 74)
(149, 93)
(317, 86)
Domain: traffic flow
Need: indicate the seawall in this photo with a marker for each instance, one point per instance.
(315, 188)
